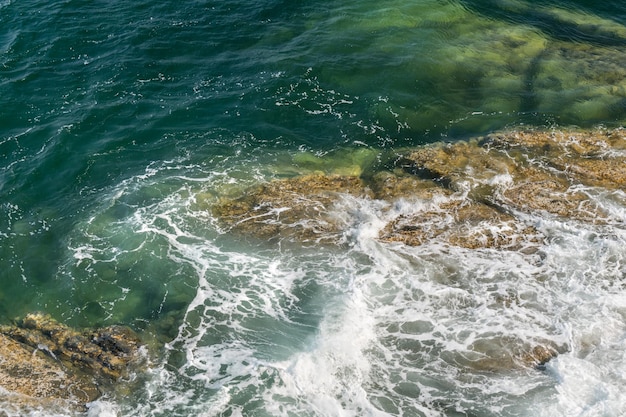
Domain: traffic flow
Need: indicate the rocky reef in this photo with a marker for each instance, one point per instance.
(589, 158)
(471, 194)
(44, 361)
(463, 223)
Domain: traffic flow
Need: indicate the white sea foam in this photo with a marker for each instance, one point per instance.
(102, 409)
(589, 389)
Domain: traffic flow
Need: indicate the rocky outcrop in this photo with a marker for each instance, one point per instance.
(594, 158)
(463, 223)
(43, 360)
(468, 193)
(519, 180)
(34, 376)
(484, 193)
(448, 216)
(296, 208)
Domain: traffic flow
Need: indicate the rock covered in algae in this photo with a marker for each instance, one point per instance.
(299, 208)
(43, 358)
(448, 216)
(107, 351)
(457, 164)
(393, 186)
(291, 208)
(539, 191)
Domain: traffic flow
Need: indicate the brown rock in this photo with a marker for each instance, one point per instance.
(296, 208)
(107, 352)
(392, 186)
(513, 171)
(605, 172)
(468, 192)
(539, 190)
(299, 208)
(457, 163)
(463, 223)
(35, 375)
(508, 353)
(552, 144)
(539, 355)
(596, 158)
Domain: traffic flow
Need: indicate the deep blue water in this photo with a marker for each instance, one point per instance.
(122, 121)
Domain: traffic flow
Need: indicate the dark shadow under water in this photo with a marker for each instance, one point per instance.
(551, 23)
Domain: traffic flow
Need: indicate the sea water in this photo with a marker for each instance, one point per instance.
(123, 123)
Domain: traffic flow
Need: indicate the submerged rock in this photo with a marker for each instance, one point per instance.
(44, 359)
(507, 353)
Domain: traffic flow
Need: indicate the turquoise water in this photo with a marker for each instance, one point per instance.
(123, 122)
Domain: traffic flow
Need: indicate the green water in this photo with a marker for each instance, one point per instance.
(122, 122)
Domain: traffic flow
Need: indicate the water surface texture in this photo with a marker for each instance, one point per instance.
(122, 123)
